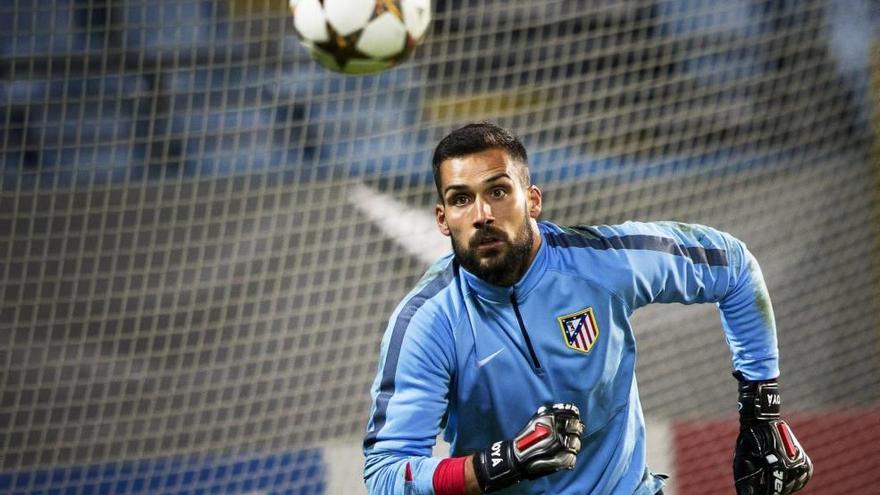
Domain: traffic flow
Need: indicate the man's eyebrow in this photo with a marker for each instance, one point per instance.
(495, 177)
(458, 187)
(454, 187)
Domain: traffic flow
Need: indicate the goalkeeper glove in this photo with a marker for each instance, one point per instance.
(768, 459)
(548, 443)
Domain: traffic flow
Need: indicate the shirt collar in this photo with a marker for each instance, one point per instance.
(525, 284)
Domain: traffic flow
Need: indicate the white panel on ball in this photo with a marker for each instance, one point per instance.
(308, 19)
(416, 16)
(347, 16)
(384, 37)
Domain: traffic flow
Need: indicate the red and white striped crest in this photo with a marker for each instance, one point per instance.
(580, 330)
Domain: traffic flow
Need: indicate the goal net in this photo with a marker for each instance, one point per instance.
(203, 232)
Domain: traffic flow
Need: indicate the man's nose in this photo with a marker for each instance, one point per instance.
(482, 213)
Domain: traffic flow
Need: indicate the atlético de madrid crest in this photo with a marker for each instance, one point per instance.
(580, 330)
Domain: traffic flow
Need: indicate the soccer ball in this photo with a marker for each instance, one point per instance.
(360, 36)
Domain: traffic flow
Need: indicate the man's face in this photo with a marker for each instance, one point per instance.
(488, 213)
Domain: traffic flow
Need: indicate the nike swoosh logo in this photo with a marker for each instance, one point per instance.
(485, 360)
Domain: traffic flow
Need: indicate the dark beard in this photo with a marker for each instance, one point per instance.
(506, 270)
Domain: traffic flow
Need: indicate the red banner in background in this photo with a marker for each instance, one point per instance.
(844, 447)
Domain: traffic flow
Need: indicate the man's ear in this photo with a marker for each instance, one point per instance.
(440, 216)
(534, 201)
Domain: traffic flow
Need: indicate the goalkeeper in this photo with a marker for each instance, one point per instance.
(519, 345)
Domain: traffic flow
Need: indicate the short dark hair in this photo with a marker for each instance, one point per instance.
(474, 138)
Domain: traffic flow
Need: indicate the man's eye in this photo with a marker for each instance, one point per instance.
(460, 200)
(498, 193)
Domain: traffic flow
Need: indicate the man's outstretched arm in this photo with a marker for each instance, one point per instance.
(706, 265)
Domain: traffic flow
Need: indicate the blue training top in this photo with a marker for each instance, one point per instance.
(478, 360)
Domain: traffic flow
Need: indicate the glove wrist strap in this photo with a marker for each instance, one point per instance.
(758, 400)
(496, 467)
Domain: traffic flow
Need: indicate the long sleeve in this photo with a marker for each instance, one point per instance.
(689, 263)
(410, 395)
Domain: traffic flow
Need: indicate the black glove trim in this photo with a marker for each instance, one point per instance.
(759, 400)
(496, 467)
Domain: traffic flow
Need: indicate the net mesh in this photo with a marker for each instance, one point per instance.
(191, 299)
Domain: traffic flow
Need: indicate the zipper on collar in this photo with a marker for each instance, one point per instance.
(525, 334)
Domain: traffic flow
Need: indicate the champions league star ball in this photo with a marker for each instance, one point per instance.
(360, 36)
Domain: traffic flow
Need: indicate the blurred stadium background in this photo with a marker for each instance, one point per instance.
(195, 280)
